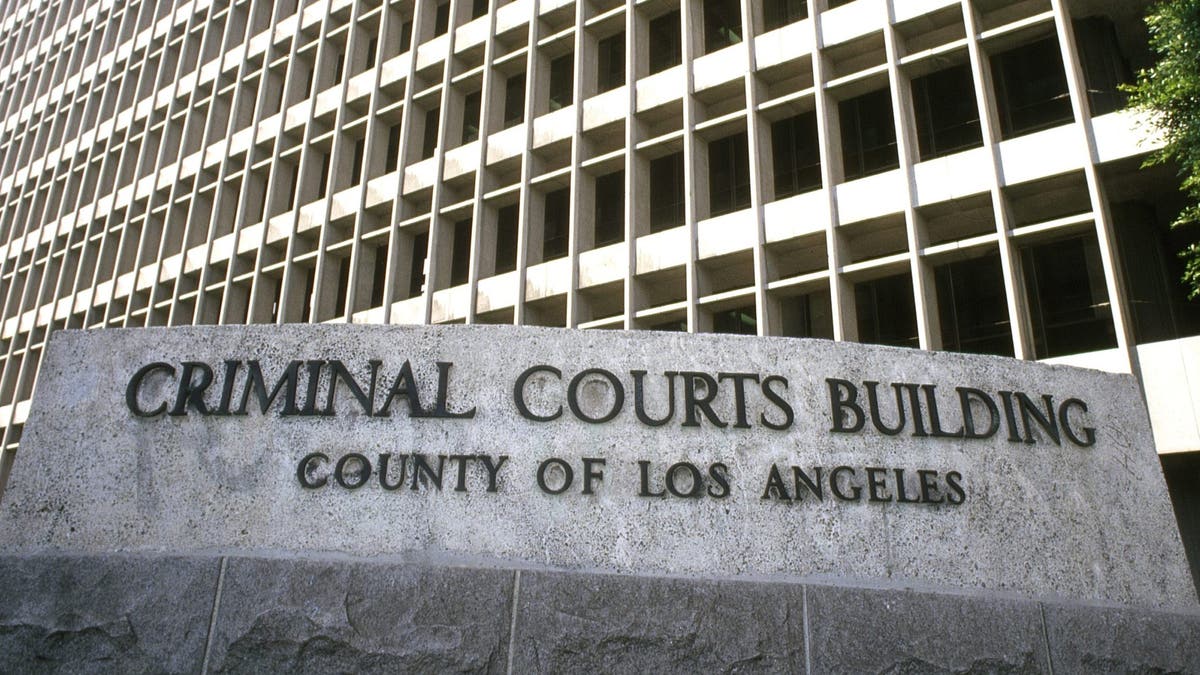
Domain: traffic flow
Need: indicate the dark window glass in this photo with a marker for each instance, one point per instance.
(306, 311)
(610, 208)
(406, 36)
(1068, 302)
(728, 174)
(868, 135)
(430, 140)
(797, 155)
(460, 253)
(779, 13)
(973, 307)
(886, 311)
(372, 47)
(479, 8)
(946, 114)
(675, 326)
(416, 273)
(514, 100)
(292, 186)
(323, 179)
(343, 285)
(1104, 66)
(379, 274)
(506, 239)
(561, 81)
(558, 223)
(666, 192)
(611, 66)
(393, 149)
(338, 67)
(1031, 88)
(838, 3)
(1158, 302)
(666, 49)
(356, 163)
(441, 20)
(722, 24)
(471, 104)
(806, 315)
(740, 321)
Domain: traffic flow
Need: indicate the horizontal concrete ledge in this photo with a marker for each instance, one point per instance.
(237, 613)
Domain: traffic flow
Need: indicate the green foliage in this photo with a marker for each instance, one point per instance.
(1170, 91)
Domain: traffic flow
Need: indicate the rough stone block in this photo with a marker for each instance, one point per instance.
(1122, 640)
(585, 622)
(859, 630)
(343, 616)
(112, 613)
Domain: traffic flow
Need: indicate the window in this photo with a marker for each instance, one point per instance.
(339, 66)
(868, 135)
(372, 47)
(946, 115)
(1158, 302)
(392, 158)
(471, 105)
(379, 274)
(343, 286)
(416, 272)
(406, 36)
(740, 321)
(666, 48)
(514, 100)
(478, 8)
(1068, 301)
(460, 253)
(356, 163)
(973, 307)
(430, 141)
(561, 81)
(506, 239)
(323, 179)
(797, 155)
(1031, 88)
(728, 174)
(722, 24)
(666, 192)
(441, 20)
(611, 66)
(610, 208)
(807, 315)
(887, 314)
(779, 13)
(1104, 66)
(557, 224)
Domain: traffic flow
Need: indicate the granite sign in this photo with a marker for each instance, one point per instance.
(631, 452)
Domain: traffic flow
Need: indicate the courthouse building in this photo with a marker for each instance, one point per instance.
(938, 174)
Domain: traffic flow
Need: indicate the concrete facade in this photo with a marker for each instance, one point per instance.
(265, 162)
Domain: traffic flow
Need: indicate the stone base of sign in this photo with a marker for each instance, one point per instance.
(165, 613)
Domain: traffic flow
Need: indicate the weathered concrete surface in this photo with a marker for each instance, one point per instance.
(1043, 518)
(146, 613)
